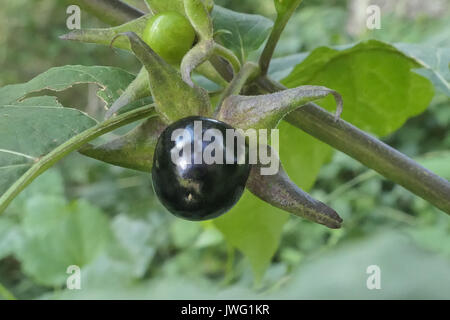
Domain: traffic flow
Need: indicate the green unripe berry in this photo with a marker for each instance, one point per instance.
(170, 35)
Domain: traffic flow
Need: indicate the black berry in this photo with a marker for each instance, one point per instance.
(192, 190)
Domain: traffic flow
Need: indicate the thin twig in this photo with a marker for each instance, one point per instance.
(113, 12)
(266, 56)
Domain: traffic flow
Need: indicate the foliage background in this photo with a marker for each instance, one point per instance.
(106, 219)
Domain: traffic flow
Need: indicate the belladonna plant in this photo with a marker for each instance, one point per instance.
(166, 93)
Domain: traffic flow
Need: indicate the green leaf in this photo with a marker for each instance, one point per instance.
(246, 32)
(43, 101)
(68, 235)
(112, 82)
(377, 82)
(29, 132)
(435, 62)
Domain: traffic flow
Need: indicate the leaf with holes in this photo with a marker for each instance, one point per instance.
(112, 81)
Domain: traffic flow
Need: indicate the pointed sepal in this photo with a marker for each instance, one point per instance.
(138, 89)
(281, 192)
(266, 111)
(174, 98)
(133, 150)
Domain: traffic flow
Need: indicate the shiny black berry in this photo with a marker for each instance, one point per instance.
(196, 174)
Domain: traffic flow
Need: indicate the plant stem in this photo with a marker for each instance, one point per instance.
(113, 12)
(248, 72)
(373, 153)
(368, 150)
(278, 28)
(228, 55)
(70, 145)
(266, 56)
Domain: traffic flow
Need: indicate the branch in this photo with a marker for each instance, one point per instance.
(369, 151)
(373, 153)
(113, 12)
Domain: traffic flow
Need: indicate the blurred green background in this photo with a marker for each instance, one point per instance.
(131, 248)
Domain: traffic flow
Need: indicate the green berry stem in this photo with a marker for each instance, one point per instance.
(198, 55)
(229, 56)
(278, 28)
